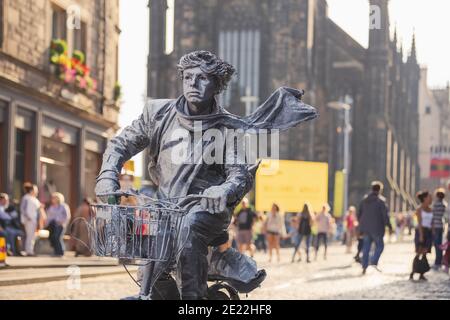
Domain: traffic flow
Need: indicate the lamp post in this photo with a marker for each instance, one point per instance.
(346, 106)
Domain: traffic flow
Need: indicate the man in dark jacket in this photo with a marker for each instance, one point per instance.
(373, 217)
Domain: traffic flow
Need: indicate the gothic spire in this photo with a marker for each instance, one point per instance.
(401, 49)
(395, 35)
(413, 54)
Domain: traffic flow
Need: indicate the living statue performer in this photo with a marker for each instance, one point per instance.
(204, 77)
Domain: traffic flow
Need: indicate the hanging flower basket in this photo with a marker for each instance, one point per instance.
(71, 69)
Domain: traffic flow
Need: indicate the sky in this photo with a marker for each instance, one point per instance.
(428, 19)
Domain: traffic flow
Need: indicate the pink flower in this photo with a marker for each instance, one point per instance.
(82, 83)
(68, 76)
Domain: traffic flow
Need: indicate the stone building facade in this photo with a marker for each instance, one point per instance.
(54, 130)
(294, 43)
(434, 129)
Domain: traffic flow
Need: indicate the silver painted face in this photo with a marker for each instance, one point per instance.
(198, 87)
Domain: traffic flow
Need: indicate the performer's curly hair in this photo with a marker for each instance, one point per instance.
(210, 64)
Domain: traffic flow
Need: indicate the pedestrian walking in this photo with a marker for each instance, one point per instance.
(373, 217)
(360, 244)
(31, 211)
(58, 216)
(293, 229)
(305, 222)
(258, 228)
(245, 219)
(424, 237)
(400, 223)
(439, 209)
(274, 230)
(324, 222)
(232, 233)
(445, 247)
(409, 222)
(350, 228)
(80, 228)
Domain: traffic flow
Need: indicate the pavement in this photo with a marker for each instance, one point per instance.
(336, 278)
(41, 269)
(340, 278)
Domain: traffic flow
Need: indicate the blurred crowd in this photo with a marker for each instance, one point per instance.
(268, 231)
(361, 230)
(30, 220)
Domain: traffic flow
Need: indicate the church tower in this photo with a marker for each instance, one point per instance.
(372, 156)
(156, 57)
(413, 76)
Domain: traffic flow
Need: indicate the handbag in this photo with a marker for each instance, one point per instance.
(421, 266)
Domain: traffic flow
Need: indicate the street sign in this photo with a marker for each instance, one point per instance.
(440, 162)
(291, 185)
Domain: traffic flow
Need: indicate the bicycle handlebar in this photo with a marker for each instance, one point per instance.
(112, 196)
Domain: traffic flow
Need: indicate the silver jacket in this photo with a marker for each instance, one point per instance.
(155, 129)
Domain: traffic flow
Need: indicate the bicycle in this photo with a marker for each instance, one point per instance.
(148, 234)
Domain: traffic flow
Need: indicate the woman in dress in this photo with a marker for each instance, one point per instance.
(351, 224)
(324, 223)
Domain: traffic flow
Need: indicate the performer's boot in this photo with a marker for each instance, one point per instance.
(237, 269)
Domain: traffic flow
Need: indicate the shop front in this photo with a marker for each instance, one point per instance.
(53, 149)
(58, 163)
(24, 149)
(3, 106)
(94, 148)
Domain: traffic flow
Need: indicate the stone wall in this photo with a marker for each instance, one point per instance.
(27, 35)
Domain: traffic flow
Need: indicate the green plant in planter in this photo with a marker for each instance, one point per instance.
(117, 91)
(79, 56)
(58, 48)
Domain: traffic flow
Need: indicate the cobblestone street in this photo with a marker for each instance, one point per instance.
(336, 278)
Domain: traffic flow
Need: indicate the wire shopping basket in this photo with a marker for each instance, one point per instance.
(136, 234)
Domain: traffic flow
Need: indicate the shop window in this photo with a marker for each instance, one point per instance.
(58, 161)
(23, 161)
(57, 171)
(59, 23)
(92, 163)
(95, 146)
(23, 151)
(3, 106)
